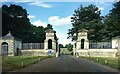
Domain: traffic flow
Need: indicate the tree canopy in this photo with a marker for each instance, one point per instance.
(100, 28)
(15, 19)
(69, 46)
(112, 21)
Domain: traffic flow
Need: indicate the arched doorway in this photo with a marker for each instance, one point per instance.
(82, 43)
(49, 44)
(4, 48)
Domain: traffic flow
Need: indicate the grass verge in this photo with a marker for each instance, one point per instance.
(108, 61)
(10, 63)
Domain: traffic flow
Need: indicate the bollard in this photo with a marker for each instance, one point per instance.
(106, 61)
(39, 59)
(22, 64)
(97, 59)
(33, 61)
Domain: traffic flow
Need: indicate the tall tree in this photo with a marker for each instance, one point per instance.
(15, 19)
(49, 26)
(112, 21)
(88, 18)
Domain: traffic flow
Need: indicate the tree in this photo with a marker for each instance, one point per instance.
(49, 26)
(88, 18)
(15, 19)
(69, 46)
(61, 46)
(112, 21)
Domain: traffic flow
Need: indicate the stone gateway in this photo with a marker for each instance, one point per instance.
(81, 47)
(11, 46)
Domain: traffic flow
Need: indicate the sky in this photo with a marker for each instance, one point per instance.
(57, 14)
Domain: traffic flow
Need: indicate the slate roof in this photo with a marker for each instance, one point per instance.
(10, 36)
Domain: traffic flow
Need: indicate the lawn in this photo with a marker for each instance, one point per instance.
(10, 63)
(108, 61)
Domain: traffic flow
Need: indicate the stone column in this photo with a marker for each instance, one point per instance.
(86, 45)
(0, 47)
(53, 44)
(78, 44)
(11, 48)
(45, 44)
(119, 47)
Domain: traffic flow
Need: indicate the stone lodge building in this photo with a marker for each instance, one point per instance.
(10, 45)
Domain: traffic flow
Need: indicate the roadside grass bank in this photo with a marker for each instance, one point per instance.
(10, 63)
(112, 62)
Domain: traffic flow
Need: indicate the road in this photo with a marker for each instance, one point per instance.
(66, 63)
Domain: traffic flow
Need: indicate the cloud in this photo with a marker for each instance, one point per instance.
(62, 0)
(30, 2)
(57, 21)
(41, 4)
(63, 39)
(39, 23)
(101, 8)
(31, 16)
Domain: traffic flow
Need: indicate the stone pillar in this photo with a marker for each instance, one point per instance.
(119, 46)
(45, 44)
(115, 42)
(54, 44)
(11, 49)
(50, 34)
(82, 34)
(86, 45)
(74, 50)
(0, 47)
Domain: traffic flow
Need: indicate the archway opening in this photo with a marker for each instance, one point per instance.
(4, 48)
(49, 44)
(82, 43)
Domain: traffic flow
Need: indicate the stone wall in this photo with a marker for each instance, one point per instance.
(98, 52)
(35, 52)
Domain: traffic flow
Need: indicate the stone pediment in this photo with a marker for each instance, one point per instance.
(50, 31)
(82, 30)
(9, 35)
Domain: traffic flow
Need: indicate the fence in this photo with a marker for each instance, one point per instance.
(100, 45)
(33, 46)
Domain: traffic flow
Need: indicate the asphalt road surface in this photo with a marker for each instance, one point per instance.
(66, 63)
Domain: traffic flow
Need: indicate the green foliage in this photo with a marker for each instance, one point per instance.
(15, 19)
(112, 62)
(69, 46)
(99, 28)
(88, 18)
(61, 46)
(11, 63)
(112, 21)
